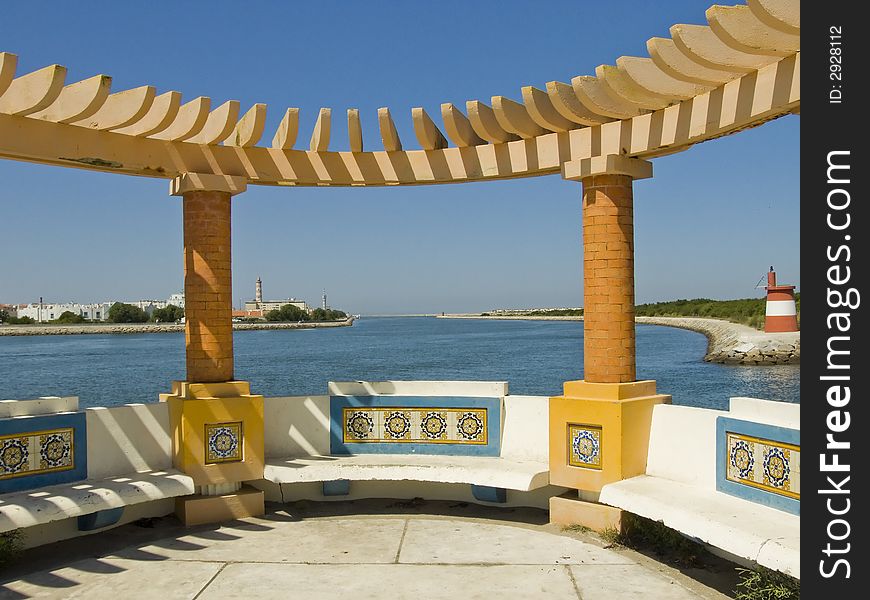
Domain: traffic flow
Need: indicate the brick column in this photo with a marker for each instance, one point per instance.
(599, 426)
(215, 422)
(208, 274)
(608, 264)
(608, 279)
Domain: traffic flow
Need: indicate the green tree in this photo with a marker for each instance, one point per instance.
(327, 314)
(21, 321)
(68, 317)
(126, 313)
(4, 316)
(287, 313)
(170, 314)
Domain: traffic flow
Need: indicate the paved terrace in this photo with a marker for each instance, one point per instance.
(387, 549)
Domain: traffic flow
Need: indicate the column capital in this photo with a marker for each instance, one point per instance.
(202, 182)
(610, 164)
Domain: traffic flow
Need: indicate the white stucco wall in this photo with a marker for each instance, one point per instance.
(296, 426)
(770, 412)
(124, 439)
(682, 444)
(526, 433)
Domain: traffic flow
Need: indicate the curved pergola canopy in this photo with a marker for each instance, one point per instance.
(740, 70)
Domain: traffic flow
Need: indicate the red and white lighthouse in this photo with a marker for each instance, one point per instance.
(781, 313)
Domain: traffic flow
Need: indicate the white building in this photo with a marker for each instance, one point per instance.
(266, 305)
(43, 312)
(176, 300)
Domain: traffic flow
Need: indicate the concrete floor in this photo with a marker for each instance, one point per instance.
(394, 551)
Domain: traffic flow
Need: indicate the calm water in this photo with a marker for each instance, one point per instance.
(535, 357)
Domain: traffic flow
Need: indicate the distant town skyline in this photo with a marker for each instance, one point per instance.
(708, 224)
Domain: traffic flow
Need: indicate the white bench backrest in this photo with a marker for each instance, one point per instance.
(682, 444)
(526, 428)
(123, 439)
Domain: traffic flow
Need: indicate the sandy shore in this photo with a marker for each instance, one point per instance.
(122, 328)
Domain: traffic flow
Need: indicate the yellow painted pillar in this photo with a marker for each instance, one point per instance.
(216, 423)
(599, 426)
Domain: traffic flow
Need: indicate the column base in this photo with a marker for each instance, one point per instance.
(200, 510)
(599, 432)
(568, 509)
(217, 431)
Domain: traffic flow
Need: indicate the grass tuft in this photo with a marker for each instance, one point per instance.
(11, 545)
(764, 584)
(577, 528)
(643, 534)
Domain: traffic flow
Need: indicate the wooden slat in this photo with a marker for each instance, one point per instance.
(33, 92)
(249, 129)
(288, 129)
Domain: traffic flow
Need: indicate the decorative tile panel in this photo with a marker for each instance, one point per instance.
(759, 462)
(42, 450)
(415, 425)
(36, 452)
(584, 446)
(223, 442)
(764, 464)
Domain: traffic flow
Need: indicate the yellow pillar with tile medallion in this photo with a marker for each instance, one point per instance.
(599, 426)
(216, 423)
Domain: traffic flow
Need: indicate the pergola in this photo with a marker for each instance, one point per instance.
(739, 71)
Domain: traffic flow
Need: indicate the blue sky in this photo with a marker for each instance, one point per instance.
(708, 224)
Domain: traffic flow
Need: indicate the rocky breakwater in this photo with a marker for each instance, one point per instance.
(734, 344)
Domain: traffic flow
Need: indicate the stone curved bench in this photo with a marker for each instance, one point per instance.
(745, 529)
(682, 487)
(79, 498)
(493, 472)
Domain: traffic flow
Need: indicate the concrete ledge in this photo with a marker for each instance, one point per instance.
(486, 389)
(568, 509)
(744, 529)
(199, 510)
(485, 471)
(57, 502)
(45, 405)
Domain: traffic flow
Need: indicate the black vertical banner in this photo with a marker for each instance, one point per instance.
(835, 421)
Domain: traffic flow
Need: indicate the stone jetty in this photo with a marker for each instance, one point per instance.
(734, 344)
(728, 343)
(121, 328)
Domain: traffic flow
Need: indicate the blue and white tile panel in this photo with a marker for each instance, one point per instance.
(759, 462)
(415, 425)
(42, 450)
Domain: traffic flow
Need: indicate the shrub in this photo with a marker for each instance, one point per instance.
(170, 314)
(327, 314)
(287, 313)
(69, 317)
(126, 313)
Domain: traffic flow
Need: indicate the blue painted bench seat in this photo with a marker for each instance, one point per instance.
(84, 497)
(494, 472)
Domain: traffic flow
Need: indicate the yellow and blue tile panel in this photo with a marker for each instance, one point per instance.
(415, 425)
(42, 450)
(759, 462)
(585, 446)
(224, 442)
